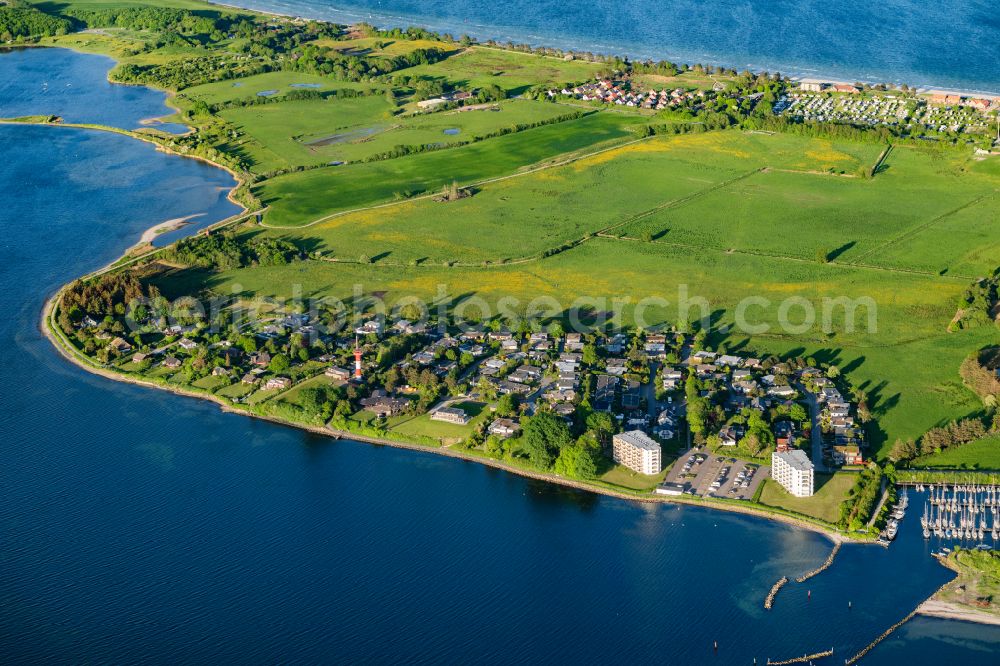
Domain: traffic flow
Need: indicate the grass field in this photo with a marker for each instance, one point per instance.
(308, 133)
(522, 216)
(382, 47)
(515, 72)
(981, 454)
(831, 490)
(282, 82)
(299, 198)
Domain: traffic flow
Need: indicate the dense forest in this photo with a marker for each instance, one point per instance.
(20, 21)
(229, 251)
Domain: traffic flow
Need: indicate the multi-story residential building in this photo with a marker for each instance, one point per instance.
(635, 450)
(793, 470)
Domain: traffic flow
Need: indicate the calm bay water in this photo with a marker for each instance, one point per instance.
(137, 525)
(953, 45)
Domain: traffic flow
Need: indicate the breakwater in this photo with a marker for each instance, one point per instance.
(769, 601)
(823, 567)
(803, 659)
(885, 634)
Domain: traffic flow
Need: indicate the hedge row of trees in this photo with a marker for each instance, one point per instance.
(944, 437)
(855, 513)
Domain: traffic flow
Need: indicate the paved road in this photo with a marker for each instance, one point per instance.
(817, 432)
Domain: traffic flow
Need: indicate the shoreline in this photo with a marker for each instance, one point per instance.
(793, 73)
(49, 329)
(151, 234)
(946, 610)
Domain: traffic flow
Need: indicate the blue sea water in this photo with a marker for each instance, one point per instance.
(136, 525)
(75, 86)
(954, 44)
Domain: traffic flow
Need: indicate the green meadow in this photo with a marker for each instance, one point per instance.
(317, 132)
(748, 214)
(515, 72)
(301, 198)
(982, 454)
(282, 82)
(625, 190)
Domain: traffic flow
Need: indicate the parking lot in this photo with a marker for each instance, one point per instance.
(700, 472)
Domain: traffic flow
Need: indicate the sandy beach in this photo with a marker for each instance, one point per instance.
(949, 611)
(149, 235)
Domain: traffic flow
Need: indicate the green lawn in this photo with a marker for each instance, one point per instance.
(626, 478)
(237, 390)
(211, 382)
(852, 219)
(831, 491)
(981, 454)
(319, 381)
(447, 433)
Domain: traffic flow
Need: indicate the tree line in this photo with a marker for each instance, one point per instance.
(227, 251)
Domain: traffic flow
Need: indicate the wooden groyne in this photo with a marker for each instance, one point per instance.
(769, 601)
(823, 567)
(803, 659)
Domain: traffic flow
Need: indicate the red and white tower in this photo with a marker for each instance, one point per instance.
(357, 360)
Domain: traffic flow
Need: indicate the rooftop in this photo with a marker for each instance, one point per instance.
(638, 439)
(796, 459)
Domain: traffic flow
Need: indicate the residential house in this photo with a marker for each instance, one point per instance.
(275, 383)
(450, 415)
(604, 393)
(340, 374)
(504, 428)
(672, 378)
(383, 405)
(616, 366)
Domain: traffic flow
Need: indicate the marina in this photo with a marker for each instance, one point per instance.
(962, 513)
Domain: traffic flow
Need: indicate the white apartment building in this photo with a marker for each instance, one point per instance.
(793, 470)
(635, 450)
